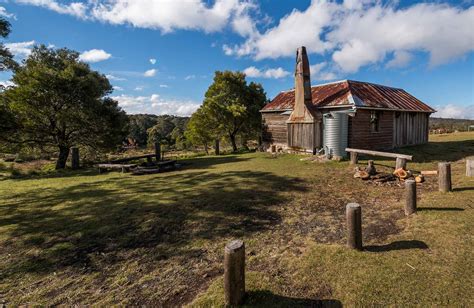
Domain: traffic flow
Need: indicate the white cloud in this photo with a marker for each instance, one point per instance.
(77, 9)
(164, 86)
(455, 112)
(150, 73)
(117, 88)
(359, 33)
(189, 77)
(153, 61)
(320, 71)
(112, 77)
(21, 49)
(401, 58)
(6, 83)
(154, 104)
(5, 13)
(274, 73)
(94, 55)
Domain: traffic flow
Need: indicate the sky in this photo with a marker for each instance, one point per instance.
(161, 55)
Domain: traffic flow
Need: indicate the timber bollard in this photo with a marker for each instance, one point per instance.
(75, 163)
(217, 147)
(354, 226)
(470, 166)
(234, 273)
(444, 177)
(354, 158)
(401, 163)
(410, 191)
(157, 151)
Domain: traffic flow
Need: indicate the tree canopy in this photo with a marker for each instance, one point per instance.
(231, 107)
(59, 102)
(6, 57)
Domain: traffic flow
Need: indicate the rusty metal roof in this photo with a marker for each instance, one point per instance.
(349, 92)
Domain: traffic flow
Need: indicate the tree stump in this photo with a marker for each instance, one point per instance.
(401, 163)
(354, 226)
(234, 273)
(410, 191)
(470, 166)
(354, 158)
(75, 161)
(444, 177)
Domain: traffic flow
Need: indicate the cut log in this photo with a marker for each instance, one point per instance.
(429, 172)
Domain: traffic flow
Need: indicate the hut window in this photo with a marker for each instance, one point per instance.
(374, 121)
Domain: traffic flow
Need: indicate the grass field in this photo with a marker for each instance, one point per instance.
(84, 238)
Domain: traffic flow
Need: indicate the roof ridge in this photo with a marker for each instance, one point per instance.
(375, 84)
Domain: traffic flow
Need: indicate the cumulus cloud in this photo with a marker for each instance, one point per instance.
(117, 88)
(359, 33)
(6, 83)
(400, 58)
(5, 13)
(77, 9)
(115, 78)
(454, 111)
(274, 73)
(320, 71)
(21, 49)
(154, 104)
(150, 73)
(153, 61)
(94, 55)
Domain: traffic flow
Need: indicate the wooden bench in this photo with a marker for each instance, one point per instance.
(122, 167)
(401, 159)
(149, 158)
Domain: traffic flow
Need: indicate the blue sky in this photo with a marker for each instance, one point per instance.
(161, 55)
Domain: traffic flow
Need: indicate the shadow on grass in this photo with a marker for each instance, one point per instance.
(268, 299)
(398, 245)
(463, 188)
(440, 151)
(76, 225)
(441, 209)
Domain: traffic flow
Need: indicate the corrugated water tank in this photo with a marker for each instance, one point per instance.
(336, 130)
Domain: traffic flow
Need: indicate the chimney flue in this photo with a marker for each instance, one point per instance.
(302, 85)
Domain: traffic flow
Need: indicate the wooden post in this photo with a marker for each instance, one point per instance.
(444, 177)
(470, 166)
(234, 273)
(75, 158)
(273, 148)
(158, 151)
(217, 147)
(410, 191)
(354, 226)
(354, 158)
(401, 163)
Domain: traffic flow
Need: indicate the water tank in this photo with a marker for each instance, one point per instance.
(336, 132)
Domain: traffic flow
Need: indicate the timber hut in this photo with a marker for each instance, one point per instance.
(332, 116)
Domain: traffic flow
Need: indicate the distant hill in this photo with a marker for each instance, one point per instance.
(450, 125)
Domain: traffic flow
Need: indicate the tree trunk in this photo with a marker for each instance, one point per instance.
(234, 143)
(206, 148)
(62, 158)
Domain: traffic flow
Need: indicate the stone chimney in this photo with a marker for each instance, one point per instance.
(302, 88)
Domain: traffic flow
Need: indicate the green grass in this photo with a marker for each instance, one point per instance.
(80, 237)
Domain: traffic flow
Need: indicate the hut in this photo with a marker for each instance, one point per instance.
(347, 113)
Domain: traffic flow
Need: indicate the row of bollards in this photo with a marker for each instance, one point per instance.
(234, 253)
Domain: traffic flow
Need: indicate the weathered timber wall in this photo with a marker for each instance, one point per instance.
(361, 135)
(274, 128)
(410, 128)
(305, 136)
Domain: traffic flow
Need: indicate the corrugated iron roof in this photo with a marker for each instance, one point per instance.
(349, 92)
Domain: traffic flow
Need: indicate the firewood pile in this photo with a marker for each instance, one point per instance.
(370, 174)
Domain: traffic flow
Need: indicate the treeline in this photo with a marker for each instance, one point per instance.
(450, 125)
(146, 129)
